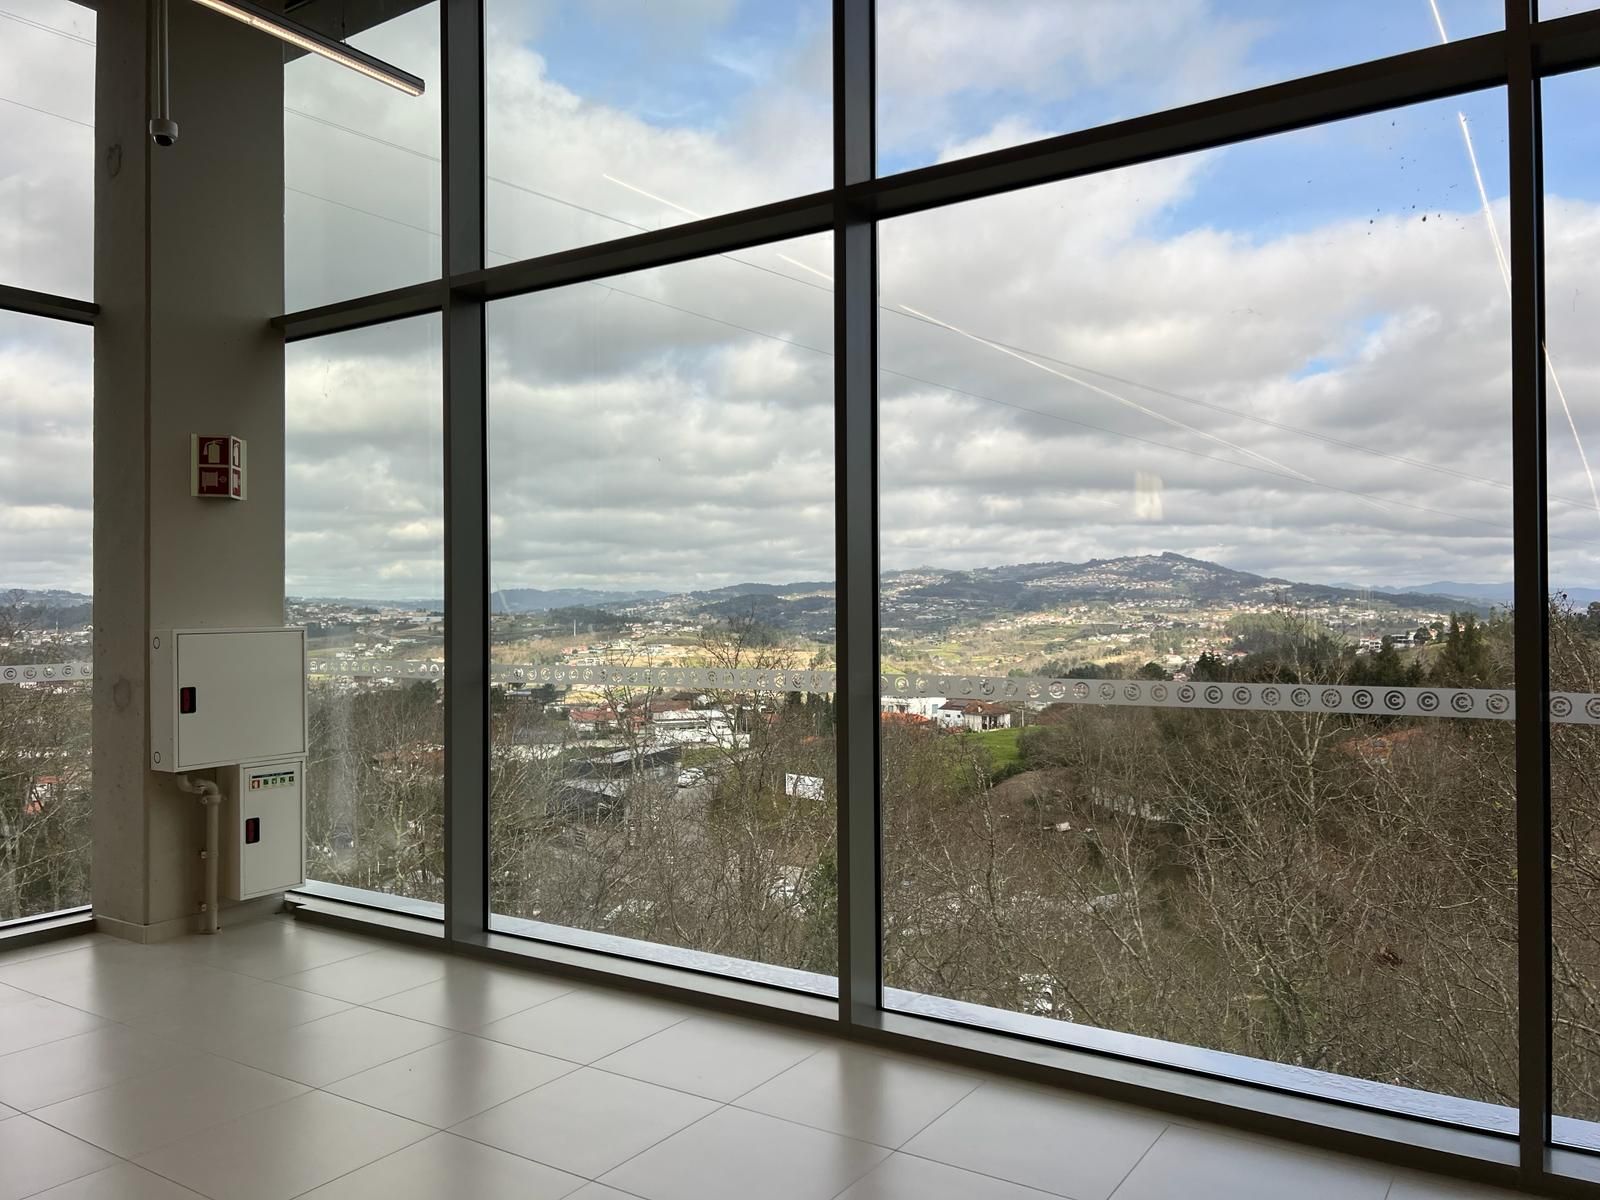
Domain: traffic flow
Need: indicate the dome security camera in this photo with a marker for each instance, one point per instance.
(163, 131)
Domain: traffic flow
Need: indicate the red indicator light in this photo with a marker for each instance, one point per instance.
(186, 700)
(252, 830)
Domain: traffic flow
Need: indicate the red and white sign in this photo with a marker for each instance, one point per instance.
(216, 466)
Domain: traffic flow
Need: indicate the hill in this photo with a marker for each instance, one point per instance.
(932, 597)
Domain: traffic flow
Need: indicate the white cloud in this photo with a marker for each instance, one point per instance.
(674, 428)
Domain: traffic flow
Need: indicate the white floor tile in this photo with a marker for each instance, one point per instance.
(331, 1048)
(1214, 1166)
(19, 954)
(33, 1156)
(12, 995)
(587, 1122)
(448, 1166)
(735, 1155)
(370, 976)
(902, 1177)
(224, 1006)
(273, 948)
(444, 1084)
(119, 982)
(861, 1094)
(70, 1066)
(140, 1114)
(466, 1000)
(285, 1150)
(1042, 1138)
(122, 1182)
(721, 1058)
(1409, 1185)
(586, 1024)
(35, 1022)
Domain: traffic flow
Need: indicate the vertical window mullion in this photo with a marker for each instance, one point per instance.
(855, 249)
(466, 580)
(1531, 601)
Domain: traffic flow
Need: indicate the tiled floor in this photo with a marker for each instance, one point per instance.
(278, 1060)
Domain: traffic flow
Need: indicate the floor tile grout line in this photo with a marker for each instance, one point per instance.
(121, 1158)
(134, 1159)
(31, 958)
(608, 1053)
(433, 1133)
(318, 1087)
(75, 1178)
(1001, 1178)
(660, 1140)
(923, 1128)
(454, 1129)
(1042, 1193)
(128, 1024)
(280, 977)
(357, 1003)
(134, 1076)
(255, 1112)
(325, 1088)
(798, 1063)
(1128, 1174)
(474, 1029)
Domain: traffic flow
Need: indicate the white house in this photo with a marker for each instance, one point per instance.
(976, 715)
(926, 707)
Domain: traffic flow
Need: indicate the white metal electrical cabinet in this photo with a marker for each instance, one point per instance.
(224, 696)
(263, 814)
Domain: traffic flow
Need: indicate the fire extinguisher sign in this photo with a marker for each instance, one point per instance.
(216, 466)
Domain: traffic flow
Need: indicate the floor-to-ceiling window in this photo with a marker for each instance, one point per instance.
(361, 165)
(46, 398)
(364, 567)
(1181, 458)
(1572, 366)
(1187, 426)
(661, 531)
(363, 470)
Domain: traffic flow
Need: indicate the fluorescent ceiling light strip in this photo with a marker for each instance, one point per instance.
(314, 42)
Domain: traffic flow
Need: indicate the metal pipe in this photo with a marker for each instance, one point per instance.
(163, 129)
(211, 800)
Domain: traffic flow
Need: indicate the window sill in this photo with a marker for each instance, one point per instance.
(46, 927)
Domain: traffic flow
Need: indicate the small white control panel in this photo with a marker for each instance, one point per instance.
(263, 820)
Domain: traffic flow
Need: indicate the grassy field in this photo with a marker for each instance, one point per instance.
(1002, 745)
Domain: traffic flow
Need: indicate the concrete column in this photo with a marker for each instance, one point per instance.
(188, 272)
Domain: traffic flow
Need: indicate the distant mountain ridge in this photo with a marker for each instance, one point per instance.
(44, 597)
(501, 600)
(935, 596)
(531, 600)
(1504, 593)
(45, 610)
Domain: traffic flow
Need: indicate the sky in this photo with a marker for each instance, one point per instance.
(1290, 356)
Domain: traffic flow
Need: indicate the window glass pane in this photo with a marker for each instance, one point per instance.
(361, 168)
(1572, 252)
(364, 564)
(46, 534)
(607, 119)
(1549, 9)
(661, 507)
(1181, 468)
(958, 77)
(47, 153)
